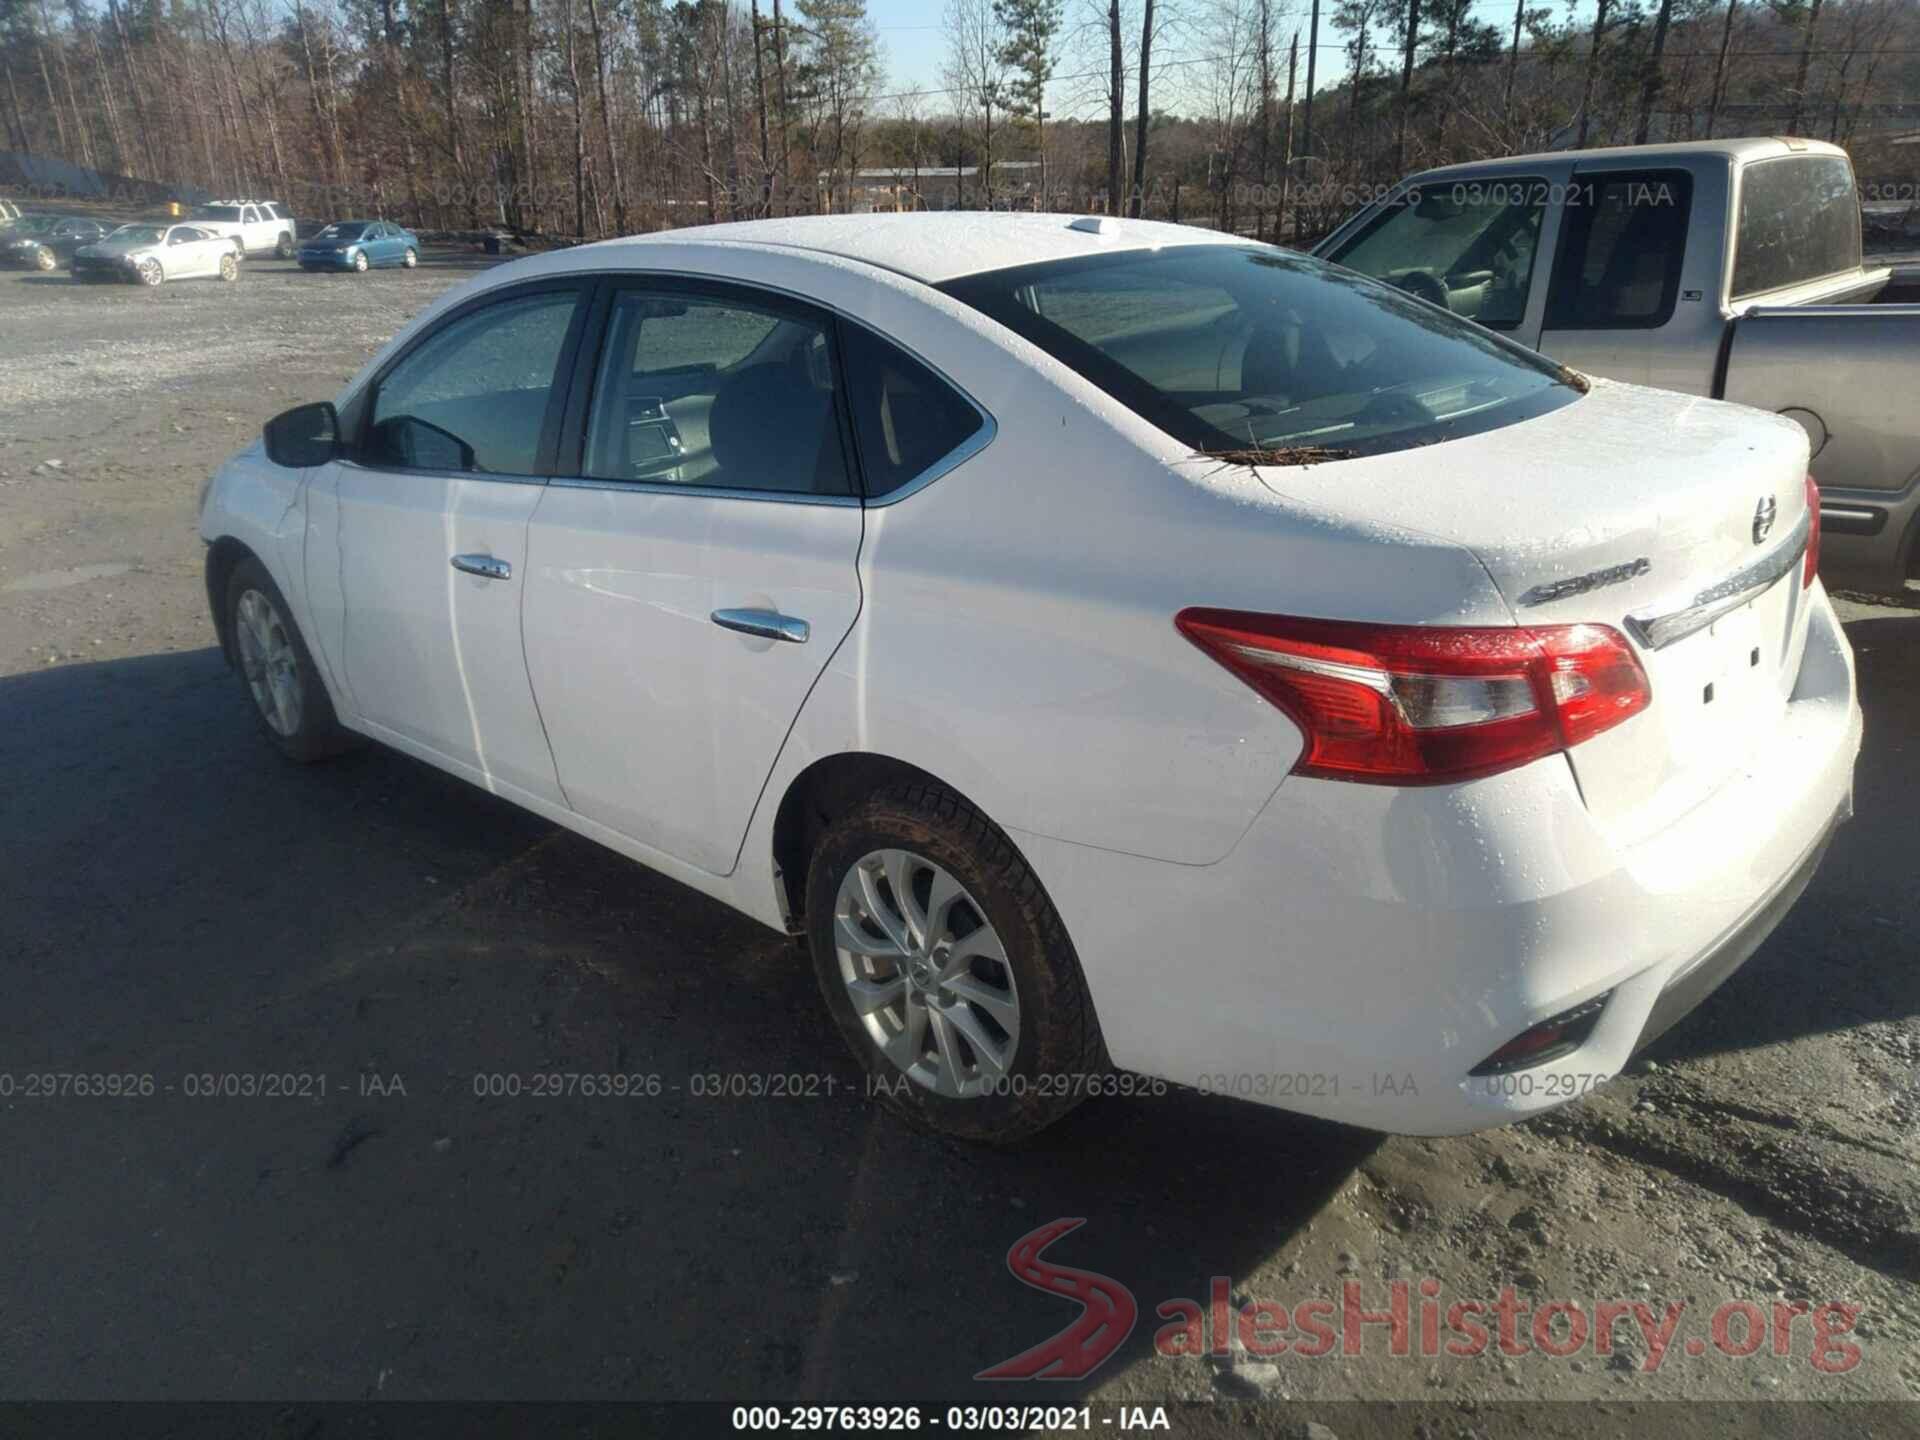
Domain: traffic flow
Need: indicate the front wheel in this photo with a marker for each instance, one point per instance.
(277, 669)
(229, 268)
(411, 259)
(151, 273)
(947, 970)
(360, 262)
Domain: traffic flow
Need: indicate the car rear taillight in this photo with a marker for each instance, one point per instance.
(1427, 704)
(1813, 534)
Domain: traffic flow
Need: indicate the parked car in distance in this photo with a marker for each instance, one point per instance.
(260, 227)
(1106, 642)
(153, 254)
(1729, 268)
(360, 245)
(42, 242)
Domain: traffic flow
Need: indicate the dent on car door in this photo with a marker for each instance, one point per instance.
(430, 520)
(695, 571)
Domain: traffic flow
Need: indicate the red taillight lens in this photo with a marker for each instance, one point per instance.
(1427, 704)
(1813, 534)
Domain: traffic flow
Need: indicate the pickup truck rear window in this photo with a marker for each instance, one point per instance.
(1799, 221)
(1233, 348)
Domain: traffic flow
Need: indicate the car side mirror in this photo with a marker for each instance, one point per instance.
(304, 436)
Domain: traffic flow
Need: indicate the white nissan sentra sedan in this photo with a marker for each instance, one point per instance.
(1117, 649)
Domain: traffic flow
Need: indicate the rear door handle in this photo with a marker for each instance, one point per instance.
(767, 624)
(485, 566)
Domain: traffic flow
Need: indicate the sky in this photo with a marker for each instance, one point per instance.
(915, 46)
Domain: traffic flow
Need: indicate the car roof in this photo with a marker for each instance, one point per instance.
(1738, 150)
(936, 246)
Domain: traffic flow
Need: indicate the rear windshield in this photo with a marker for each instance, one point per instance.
(1230, 348)
(1799, 221)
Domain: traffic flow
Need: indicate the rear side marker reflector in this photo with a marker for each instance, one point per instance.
(1552, 1039)
(1426, 704)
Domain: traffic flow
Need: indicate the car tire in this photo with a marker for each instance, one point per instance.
(360, 262)
(229, 268)
(283, 247)
(45, 260)
(987, 1039)
(151, 273)
(276, 670)
(411, 259)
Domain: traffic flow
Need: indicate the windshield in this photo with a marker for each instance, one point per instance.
(1235, 349)
(344, 230)
(138, 235)
(218, 212)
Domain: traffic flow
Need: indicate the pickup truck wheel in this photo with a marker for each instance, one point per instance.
(411, 259)
(947, 969)
(277, 669)
(229, 268)
(360, 262)
(151, 273)
(283, 247)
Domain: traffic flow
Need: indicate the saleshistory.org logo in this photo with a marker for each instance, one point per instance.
(1107, 1312)
(1409, 1326)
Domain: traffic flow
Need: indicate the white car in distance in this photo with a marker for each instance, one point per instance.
(1109, 644)
(154, 254)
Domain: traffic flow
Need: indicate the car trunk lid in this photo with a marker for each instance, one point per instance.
(1676, 520)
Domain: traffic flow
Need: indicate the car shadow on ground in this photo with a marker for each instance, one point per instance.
(427, 1205)
(1843, 956)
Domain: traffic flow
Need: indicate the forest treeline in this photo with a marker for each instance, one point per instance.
(597, 117)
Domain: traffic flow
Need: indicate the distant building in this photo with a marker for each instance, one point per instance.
(884, 188)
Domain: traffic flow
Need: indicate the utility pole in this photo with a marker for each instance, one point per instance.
(1313, 53)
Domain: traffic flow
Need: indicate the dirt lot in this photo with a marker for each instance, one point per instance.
(175, 902)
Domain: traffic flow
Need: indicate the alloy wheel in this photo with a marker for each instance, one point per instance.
(926, 973)
(151, 273)
(268, 661)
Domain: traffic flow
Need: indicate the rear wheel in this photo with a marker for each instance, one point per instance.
(277, 669)
(946, 968)
(45, 259)
(283, 247)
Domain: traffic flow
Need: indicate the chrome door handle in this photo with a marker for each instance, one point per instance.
(767, 624)
(484, 566)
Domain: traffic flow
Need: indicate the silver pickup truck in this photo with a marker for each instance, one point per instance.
(1728, 268)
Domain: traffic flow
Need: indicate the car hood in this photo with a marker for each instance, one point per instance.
(11, 241)
(114, 249)
(331, 242)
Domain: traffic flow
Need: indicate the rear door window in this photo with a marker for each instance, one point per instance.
(720, 392)
(1623, 239)
(1799, 221)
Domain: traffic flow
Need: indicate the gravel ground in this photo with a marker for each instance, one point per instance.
(176, 902)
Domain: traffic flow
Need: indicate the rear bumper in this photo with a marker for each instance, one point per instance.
(1363, 948)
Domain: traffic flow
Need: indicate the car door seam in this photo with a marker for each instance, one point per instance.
(526, 661)
(773, 765)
